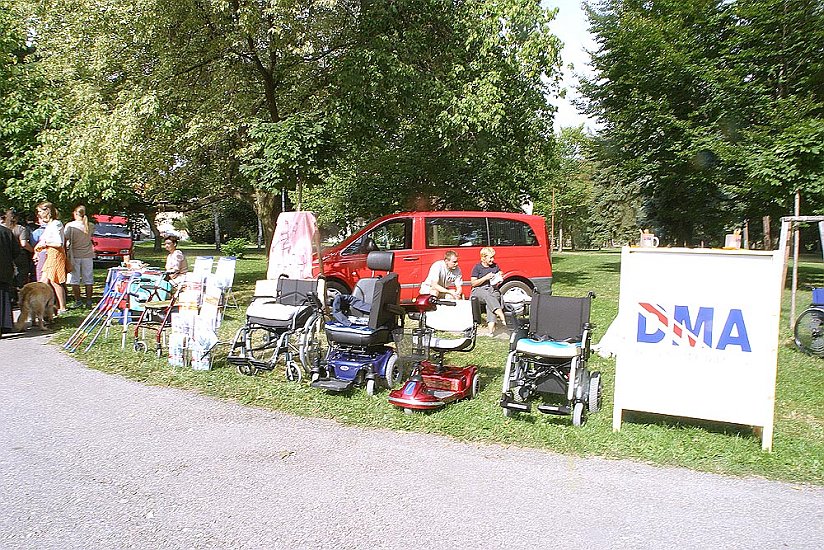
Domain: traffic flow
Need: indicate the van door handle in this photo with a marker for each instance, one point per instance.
(411, 259)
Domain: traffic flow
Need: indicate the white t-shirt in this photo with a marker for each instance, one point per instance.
(443, 276)
(53, 234)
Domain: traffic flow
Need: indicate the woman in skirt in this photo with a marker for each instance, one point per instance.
(54, 268)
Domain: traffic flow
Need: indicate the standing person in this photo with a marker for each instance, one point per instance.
(23, 261)
(54, 268)
(176, 265)
(39, 256)
(9, 250)
(78, 235)
(485, 278)
(444, 278)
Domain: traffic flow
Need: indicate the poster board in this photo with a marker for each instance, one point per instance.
(698, 331)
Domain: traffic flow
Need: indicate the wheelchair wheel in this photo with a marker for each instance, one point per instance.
(579, 416)
(310, 350)
(140, 346)
(246, 369)
(594, 396)
(809, 332)
(294, 372)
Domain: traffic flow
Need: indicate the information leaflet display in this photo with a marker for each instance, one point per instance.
(698, 332)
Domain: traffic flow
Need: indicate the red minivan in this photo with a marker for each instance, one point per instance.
(112, 238)
(419, 239)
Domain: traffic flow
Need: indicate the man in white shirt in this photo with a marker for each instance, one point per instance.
(444, 278)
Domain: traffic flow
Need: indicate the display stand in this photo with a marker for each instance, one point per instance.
(698, 333)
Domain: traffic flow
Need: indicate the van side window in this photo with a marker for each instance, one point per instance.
(392, 235)
(505, 232)
(456, 232)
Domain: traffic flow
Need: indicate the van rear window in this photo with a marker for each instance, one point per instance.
(505, 232)
(457, 232)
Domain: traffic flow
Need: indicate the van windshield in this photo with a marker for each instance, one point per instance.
(112, 230)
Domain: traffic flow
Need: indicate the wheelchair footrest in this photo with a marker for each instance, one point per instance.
(261, 365)
(333, 384)
(507, 403)
(555, 409)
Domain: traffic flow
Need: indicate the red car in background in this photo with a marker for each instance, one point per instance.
(112, 238)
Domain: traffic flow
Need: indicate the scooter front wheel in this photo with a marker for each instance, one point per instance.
(476, 385)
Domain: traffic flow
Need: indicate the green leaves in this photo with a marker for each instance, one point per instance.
(707, 107)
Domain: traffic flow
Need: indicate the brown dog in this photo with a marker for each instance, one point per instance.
(36, 300)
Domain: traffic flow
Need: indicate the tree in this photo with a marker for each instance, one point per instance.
(177, 104)
(710, 108)
(568, 196)
(446, 105)
(26, 108)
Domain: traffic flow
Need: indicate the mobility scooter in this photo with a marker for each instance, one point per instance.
(433, 385)
(360, 332)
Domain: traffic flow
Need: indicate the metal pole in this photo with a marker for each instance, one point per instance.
(796, 241)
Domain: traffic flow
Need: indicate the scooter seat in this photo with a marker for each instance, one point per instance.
(548, 348)
(268, 312)
(357, 334)
(449, 344)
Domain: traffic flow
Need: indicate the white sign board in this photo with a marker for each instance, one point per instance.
(698, 332)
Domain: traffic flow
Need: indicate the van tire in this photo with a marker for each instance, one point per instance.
(516, 288)
(334, 288)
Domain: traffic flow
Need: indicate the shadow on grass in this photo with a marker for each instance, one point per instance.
(666, 421)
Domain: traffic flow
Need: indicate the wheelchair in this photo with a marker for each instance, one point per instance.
(360, 332)
(283, 319)
(547, 362)
(808, 332)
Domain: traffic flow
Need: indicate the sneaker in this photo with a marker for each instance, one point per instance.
(62, 311)
(77, 305)
(89, 304)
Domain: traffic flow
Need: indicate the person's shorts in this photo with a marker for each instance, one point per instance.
(83, 273)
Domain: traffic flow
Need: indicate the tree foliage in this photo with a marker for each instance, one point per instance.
(361, 107)
(712, 109)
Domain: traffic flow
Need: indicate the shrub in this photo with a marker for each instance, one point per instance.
(235, 247)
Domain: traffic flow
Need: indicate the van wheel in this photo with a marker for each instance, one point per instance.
(514, 292)
(333, 289)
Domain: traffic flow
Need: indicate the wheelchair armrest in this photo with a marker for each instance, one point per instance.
(396, 309)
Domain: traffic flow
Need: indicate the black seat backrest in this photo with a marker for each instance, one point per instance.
(295, 292)
(386, 291)
(558, 317)
(379, 292)
(381, 260)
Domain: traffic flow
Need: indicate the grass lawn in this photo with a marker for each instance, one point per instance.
(798, 447)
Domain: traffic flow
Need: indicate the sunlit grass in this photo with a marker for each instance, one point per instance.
(798, 448)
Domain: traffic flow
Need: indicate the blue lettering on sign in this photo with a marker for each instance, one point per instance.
(645, 336)
(684, 327)
(735, 321)
(703, 321)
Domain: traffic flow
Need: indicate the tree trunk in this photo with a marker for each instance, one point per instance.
(267, 206)
(216, 219)
(151, 217)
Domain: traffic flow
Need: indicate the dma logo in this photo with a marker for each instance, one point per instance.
(693, 327)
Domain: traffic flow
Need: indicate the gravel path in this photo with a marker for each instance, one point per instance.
(89, 460)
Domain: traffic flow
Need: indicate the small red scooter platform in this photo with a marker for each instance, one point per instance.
(431, 387)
